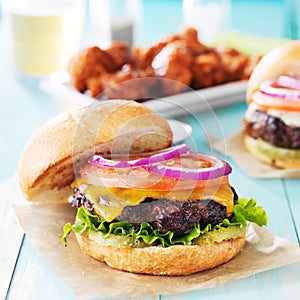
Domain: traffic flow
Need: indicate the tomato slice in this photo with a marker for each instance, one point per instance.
(140, 178)
(111, 191)
(269, 102)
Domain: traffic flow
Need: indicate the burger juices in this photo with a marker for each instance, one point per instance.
(174, 197)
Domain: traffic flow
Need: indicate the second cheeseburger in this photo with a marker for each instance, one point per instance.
(141, 205)
(272, 120)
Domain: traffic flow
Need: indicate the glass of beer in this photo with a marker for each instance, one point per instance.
(45, 34)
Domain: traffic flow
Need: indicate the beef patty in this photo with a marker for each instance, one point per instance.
(176, 216)
(180, 217)
(273, 130)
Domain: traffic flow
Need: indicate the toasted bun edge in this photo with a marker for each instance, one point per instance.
(156, 260)
(251, 145)
(49, 160)
(282, 60)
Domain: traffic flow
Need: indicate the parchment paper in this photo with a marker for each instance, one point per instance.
(88, 277)
(249, 164)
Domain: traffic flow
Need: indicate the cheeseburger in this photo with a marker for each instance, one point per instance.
(272, 120)
(142, 205)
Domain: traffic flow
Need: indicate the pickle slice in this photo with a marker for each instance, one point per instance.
(277, 152)
(218, 235)
(117, 240)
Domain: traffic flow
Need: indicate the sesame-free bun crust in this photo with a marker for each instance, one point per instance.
(282, 163)
(53, 156)
(282, 60)
(157, 260)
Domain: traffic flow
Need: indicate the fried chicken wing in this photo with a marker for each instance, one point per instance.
(121, 54)
(207, 70)
(221, 65)
(93, 63)
(86, 64)
(95, 85)
(167, 67)
(234, 63)
(173, 62)
(130, 83)
(145, 56)
(190, 39)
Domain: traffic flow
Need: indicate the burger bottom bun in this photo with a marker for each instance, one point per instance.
(251, 145)
(155, 260)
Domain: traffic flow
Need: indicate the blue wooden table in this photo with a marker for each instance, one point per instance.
(24, 273)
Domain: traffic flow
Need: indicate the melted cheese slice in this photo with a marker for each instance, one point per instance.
(110, 201)
(290, 118)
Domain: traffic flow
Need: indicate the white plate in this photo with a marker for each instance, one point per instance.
(181, 131)
(172, 106)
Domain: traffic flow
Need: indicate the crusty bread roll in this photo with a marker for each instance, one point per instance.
(251, 145)
(173, 260)
(282, 60)
(54, 154)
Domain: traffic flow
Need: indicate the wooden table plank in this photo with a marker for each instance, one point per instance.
(281, 283)
(11, 235)
(293, 194)
(35, 279)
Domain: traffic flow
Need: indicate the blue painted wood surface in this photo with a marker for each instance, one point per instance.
(24, 272)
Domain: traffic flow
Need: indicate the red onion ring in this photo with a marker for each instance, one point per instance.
(168, 154)
(288, 82)
(267, 88)
(219, 168)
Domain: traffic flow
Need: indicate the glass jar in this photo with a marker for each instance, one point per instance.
(209, 17)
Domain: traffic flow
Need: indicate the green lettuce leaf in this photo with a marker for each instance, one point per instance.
(245, 210)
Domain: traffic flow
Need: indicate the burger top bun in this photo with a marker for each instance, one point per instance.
(282, 60)
(53, 156)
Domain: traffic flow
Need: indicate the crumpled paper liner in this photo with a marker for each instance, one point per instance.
(88, 277)
(236, 150)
